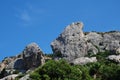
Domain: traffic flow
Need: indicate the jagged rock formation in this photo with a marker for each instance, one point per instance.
(72, 43)
(30, 58)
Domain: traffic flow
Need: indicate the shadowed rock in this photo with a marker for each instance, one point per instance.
(32, 56)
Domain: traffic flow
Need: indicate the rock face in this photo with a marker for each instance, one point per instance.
(72, 43)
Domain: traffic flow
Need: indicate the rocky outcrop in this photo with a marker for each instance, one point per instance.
(73, 43)
(31, 57)
(70, 44)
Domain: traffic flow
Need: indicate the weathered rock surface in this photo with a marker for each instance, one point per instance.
(72, 43)
(5, 62)
(84, 60)
(32, 56)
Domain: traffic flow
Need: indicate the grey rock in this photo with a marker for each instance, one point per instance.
(32, 56)
(6, 62)
(105, 41)
(94, 38)
(16, 64)
(115, 58)
(111, 41)
(70, 44)
(118, 50)
(26, 77)
(92, 50)
(84, 60)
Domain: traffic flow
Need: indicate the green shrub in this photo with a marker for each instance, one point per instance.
(61, 70)
(35, 76)
(58, 70)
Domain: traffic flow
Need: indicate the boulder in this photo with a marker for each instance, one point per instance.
(84, 60)
(115, 58)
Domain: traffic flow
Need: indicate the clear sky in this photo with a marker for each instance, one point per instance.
(41, 21)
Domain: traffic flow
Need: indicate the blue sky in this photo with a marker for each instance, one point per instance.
(41, 21)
